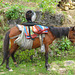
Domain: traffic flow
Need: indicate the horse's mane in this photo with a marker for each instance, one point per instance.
(59, 31)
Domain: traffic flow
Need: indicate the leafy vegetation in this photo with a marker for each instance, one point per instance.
(62, 47)
(3, 5)
(61, 51)
(15, 12)
(1, 45)
(24, 56)
(48, 5)
(2, 31)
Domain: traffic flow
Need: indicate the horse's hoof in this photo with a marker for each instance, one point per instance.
(10, 70)
(48, 65)
(48, 69)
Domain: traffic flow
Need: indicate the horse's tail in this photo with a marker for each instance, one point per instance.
(6, 47)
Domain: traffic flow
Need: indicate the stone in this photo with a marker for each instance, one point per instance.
(68, 63)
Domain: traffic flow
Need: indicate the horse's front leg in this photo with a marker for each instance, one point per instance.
(46, 57)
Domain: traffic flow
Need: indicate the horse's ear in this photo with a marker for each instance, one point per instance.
(73, 28)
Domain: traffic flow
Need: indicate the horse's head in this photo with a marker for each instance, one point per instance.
(72, 30)
(71, 34)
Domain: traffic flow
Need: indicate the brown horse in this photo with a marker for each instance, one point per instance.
(53, 33)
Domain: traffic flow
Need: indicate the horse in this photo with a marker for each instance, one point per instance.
(53, 33)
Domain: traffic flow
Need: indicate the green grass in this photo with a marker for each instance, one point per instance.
(38, 67)
(26, 69)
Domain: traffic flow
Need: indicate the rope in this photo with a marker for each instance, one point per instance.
(14, 37)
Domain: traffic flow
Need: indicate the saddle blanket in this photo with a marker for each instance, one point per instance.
(34, 30)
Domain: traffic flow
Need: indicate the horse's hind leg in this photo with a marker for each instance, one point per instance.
(14, 60)
(14, 47)
(12, 50)
(7, 63)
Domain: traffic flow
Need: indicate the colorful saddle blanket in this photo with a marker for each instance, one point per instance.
(34, 30)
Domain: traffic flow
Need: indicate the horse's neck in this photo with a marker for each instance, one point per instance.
(59, 31)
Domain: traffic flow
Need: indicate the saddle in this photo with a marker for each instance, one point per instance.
(29, 24)
(35, 28)
(33, 31)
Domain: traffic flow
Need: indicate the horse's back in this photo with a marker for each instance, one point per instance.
(14, 31)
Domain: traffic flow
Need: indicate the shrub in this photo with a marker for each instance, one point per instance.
(15, 12)
(1, 46)
(1, 43)
(12, 13)
(24, 56)
(62, 47)
(3, 4)
(48, 5)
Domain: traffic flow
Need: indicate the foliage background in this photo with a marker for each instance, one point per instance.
(59, 51)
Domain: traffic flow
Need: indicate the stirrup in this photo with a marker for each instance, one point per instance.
(43, 48)
(41, 42)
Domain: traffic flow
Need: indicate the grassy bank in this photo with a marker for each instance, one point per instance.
(37, 67)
